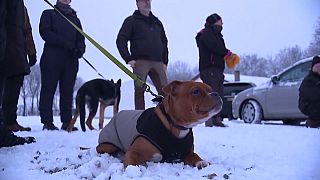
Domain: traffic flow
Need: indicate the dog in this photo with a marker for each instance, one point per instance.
(92, 93)
(162, 133)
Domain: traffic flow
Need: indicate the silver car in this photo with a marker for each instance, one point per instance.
(277, 99)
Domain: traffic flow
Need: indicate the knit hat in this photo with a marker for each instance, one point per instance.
(213, 18)
(315, 60)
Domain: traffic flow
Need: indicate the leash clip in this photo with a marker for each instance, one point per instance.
(157, 98)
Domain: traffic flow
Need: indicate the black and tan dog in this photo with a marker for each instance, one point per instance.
(163, 133)
(91, 93)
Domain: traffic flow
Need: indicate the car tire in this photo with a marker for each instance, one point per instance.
(251, 112)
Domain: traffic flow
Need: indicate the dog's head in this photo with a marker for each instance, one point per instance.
(117, 86)
(190, 103)
(117, 94)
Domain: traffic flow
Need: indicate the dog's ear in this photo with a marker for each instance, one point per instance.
(119, 82)
(171, 87)
(112, 81)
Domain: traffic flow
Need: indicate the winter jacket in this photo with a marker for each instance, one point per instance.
(15, 55)
(62, 41)
(128, 125)
(3, 32)
(147, 38)
(309, 96)
(212, 48)
(31, 48)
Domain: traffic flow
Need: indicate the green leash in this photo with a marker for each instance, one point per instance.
(106, 53)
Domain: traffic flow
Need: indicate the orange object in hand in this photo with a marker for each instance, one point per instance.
(232, 60)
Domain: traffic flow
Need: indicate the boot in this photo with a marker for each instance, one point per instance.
(65, 127)
(8, 139)
(312, 123)
(17, 127)
(50, 127)
(215, 121)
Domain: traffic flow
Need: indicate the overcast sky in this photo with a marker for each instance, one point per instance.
(262, 27)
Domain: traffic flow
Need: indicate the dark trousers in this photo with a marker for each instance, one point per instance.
(214, 77)
(2, 84)
(51, 74)
(157, 74)
(10, 99)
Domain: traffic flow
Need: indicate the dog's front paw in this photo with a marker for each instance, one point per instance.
(202, 164)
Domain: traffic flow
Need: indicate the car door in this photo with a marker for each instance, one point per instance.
(282, 95)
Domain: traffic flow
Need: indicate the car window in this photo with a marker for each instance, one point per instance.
(296, 73)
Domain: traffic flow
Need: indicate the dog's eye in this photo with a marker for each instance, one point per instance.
(195, 92)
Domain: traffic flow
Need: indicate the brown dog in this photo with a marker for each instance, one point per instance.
(163, 133)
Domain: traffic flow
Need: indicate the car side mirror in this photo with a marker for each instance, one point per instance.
(275, 79)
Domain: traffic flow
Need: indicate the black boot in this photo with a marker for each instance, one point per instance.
(312, 123)
(215, 121)
(65, 126)
(8, 139)
(50, 127)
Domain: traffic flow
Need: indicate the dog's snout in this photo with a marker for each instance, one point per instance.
(216, 97)
(214, 94)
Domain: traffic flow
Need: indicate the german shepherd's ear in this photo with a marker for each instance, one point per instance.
(112, 81)
(119, 82)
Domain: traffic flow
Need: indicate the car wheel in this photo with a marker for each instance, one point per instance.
(251, 112)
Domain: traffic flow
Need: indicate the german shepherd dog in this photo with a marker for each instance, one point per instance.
(91, 93)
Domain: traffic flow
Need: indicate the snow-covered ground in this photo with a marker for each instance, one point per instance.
(240, 151)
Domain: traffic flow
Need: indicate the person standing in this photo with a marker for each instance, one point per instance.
(148, 53)
(64, 45)
(13, 84)
(212, 54)
(13, 60)
(309, 95)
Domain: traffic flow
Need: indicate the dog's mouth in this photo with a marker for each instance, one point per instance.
(213, 109)
(203, 111)
(208, 112)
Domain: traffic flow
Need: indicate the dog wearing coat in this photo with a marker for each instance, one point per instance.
(162, 133)
(91, 93)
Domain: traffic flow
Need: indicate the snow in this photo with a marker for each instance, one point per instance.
(240, 151)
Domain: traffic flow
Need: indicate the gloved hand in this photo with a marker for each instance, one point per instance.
(78, 52)
(132, 63)
(231, 60)
(32, 59)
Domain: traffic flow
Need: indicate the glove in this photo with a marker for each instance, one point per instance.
(77, 53)
(32, 59)
(132, 63)
(231, 60)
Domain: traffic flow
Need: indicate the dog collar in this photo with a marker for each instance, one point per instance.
(170, 120)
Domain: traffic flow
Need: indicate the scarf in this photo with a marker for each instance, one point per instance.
(65, 8)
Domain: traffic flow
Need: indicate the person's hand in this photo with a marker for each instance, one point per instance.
(77, 53)
(132, 63)
(32, 59)
(231, 60)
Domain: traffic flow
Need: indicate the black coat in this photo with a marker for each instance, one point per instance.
(3, 31)
(212, 48)
(309, 96)
(62, 41)
(15, 55)
(147, 38)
